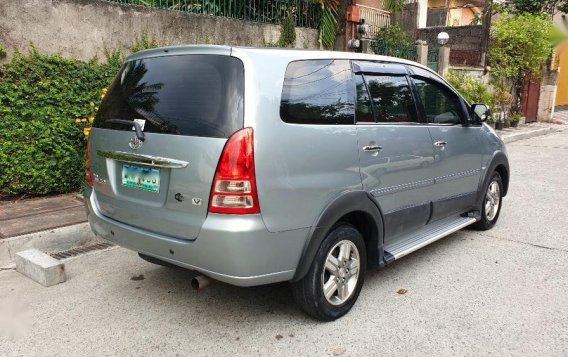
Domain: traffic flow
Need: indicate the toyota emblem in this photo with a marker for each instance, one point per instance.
(135, 143)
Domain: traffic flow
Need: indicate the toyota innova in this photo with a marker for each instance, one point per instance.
(254, 166)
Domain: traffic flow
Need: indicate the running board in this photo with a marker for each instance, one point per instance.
(429, 234)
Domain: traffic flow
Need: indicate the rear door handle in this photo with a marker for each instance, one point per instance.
(440, 144)
(372, 148)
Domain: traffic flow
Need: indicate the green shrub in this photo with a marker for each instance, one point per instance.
(287, 32)
(41, 98)
(3, 52)
(472, 89)
(393, 36)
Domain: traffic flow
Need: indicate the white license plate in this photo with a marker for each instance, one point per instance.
(144, 178)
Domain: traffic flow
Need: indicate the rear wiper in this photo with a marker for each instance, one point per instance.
(139, 133)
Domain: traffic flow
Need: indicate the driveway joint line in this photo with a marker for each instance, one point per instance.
(525, 243)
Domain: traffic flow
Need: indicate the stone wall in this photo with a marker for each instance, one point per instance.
(82, 29)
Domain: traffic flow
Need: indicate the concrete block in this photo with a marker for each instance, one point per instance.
(40, 267)
(51, 240)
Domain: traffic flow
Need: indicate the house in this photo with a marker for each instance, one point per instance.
(454, 12)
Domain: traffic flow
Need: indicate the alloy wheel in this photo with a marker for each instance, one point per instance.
(492, 200)
(341, 272)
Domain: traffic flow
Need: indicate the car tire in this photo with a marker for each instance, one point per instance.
(492, 203)
(343, 251)
(156, 261)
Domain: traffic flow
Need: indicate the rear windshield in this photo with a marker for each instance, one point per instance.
(195, 95)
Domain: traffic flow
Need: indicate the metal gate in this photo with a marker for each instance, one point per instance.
(529, 102)
(400, 51)
(433, 57)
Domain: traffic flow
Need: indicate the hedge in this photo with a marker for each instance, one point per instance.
(45, 103)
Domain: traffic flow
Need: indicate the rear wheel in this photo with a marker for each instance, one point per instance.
(491, 206)
(334, 281)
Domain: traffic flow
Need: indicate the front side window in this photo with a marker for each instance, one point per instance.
(392, 99)
(318, 92)
(441, 105)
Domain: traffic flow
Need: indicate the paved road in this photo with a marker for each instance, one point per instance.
(504, 292)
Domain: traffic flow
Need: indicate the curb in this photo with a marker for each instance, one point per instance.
(51, 240)
(527, 135)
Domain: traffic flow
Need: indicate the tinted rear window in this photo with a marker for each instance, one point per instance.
(196, 95)
(318, 92)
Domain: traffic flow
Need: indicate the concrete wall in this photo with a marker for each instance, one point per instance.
(407, 19)
(547, 98)
(83, 28)
(475, 72)
(562, 93)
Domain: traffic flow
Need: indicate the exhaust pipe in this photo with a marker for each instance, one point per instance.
(200, 282)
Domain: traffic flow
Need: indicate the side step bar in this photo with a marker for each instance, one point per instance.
(429, 234)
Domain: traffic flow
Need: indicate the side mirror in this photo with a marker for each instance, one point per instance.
(480, 113)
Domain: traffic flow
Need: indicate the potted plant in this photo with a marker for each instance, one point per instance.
(502, 99)
(499, 123)
(515, 119)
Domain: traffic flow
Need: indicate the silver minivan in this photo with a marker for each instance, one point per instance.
(254, 166)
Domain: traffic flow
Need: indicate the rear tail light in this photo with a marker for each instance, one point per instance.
(89, 174)
(234, 187)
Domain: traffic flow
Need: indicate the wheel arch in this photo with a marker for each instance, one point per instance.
(499, 163)
(356, 208)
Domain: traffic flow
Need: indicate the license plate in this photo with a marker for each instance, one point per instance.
(145, 178)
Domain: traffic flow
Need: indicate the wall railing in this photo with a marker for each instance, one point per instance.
(306, 13)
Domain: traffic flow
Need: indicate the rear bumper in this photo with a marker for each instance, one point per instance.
(238, 250)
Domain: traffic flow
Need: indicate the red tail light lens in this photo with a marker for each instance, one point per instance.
(89, 174)
(234, 187)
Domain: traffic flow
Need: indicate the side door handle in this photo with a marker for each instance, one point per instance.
(440, 144)
(372, 148)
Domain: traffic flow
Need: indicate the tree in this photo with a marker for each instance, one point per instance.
(549, 7)
(520, 46)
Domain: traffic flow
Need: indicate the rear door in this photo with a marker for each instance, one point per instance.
(456, 144)
(187, 106)
(395, 149)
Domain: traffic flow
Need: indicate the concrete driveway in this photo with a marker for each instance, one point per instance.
(503, 292)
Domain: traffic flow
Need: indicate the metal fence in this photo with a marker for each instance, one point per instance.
(408, 52)
(375, 18)
(306, 13)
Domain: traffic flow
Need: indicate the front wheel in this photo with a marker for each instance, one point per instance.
(491, 207)
(334, 281)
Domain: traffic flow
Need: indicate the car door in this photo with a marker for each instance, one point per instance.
(395, 148)
(456, 144)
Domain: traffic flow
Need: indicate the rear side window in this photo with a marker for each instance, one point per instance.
(195, 95)
(392, 99)
(318, 92)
